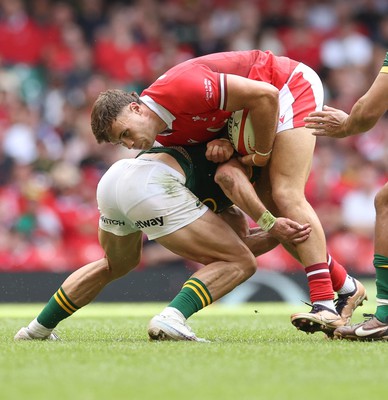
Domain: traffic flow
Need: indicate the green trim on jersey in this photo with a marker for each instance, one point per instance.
(384, 68)
(385, 63)
(200, 174)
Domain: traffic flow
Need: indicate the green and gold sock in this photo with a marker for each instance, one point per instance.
(58, 308)
(381, 265)
(193, 296)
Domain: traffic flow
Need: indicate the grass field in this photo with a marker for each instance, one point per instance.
(255, 353)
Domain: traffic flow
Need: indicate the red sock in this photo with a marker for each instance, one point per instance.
(319, 281)
(338, 273)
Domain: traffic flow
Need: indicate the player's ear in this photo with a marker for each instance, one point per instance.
(135, 107)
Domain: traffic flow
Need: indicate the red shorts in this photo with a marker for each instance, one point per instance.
(301, 95)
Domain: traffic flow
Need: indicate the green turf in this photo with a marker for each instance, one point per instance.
(255, 353)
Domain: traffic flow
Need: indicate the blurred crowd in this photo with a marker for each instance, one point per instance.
(57, 56)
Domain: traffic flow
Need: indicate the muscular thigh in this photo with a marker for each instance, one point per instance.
(291, 158)
(237, 220)
(206, 240)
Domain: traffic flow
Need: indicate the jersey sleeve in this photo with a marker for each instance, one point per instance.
(204, 90)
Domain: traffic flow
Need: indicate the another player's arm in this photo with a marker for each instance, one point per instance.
(363, 116)
(232, 177)
(122, 252)
(369, 108)
(262, 100)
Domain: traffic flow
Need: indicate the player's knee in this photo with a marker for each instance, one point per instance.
(249, 264)
(286, 197)
(114, 271)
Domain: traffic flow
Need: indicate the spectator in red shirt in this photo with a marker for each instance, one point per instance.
(20, 38)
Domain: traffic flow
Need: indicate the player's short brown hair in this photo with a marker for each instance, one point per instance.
(106, 109)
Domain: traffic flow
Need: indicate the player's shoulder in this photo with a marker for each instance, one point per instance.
(185, 72)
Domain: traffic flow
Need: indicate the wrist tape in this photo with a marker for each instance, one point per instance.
(266, 221)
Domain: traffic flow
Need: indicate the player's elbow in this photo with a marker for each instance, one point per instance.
(225, 181)
(274, 92)
(271, 93)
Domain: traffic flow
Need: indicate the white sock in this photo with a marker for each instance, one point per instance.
(327, 303)
(348, 287)
(173, 312)
(38, 330)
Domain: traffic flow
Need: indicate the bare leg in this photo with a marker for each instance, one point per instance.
(79, 289)
(289, 170)
(210, 241)
(381, 254)
(381, 238)
(84, 284)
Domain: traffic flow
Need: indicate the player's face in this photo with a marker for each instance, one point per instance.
(132, 129)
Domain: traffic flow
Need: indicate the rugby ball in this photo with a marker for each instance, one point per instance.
(241, 133)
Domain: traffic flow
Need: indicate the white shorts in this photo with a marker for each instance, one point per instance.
(301, 95)
(145, 195)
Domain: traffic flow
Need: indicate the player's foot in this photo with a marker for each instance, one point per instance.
(347, 303)
(370, 330)
(320, 318)
(26, 334)
(163, 327)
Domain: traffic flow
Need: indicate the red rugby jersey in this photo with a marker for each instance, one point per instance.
(191, 97)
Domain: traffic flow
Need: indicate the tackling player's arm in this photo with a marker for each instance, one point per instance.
(369, 108)
(122, 252)
(233, 179)
(365, 113)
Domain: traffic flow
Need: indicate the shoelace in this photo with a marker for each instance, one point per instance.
(342, 300)
(315, 308)
(340, 303)
(368, 317)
